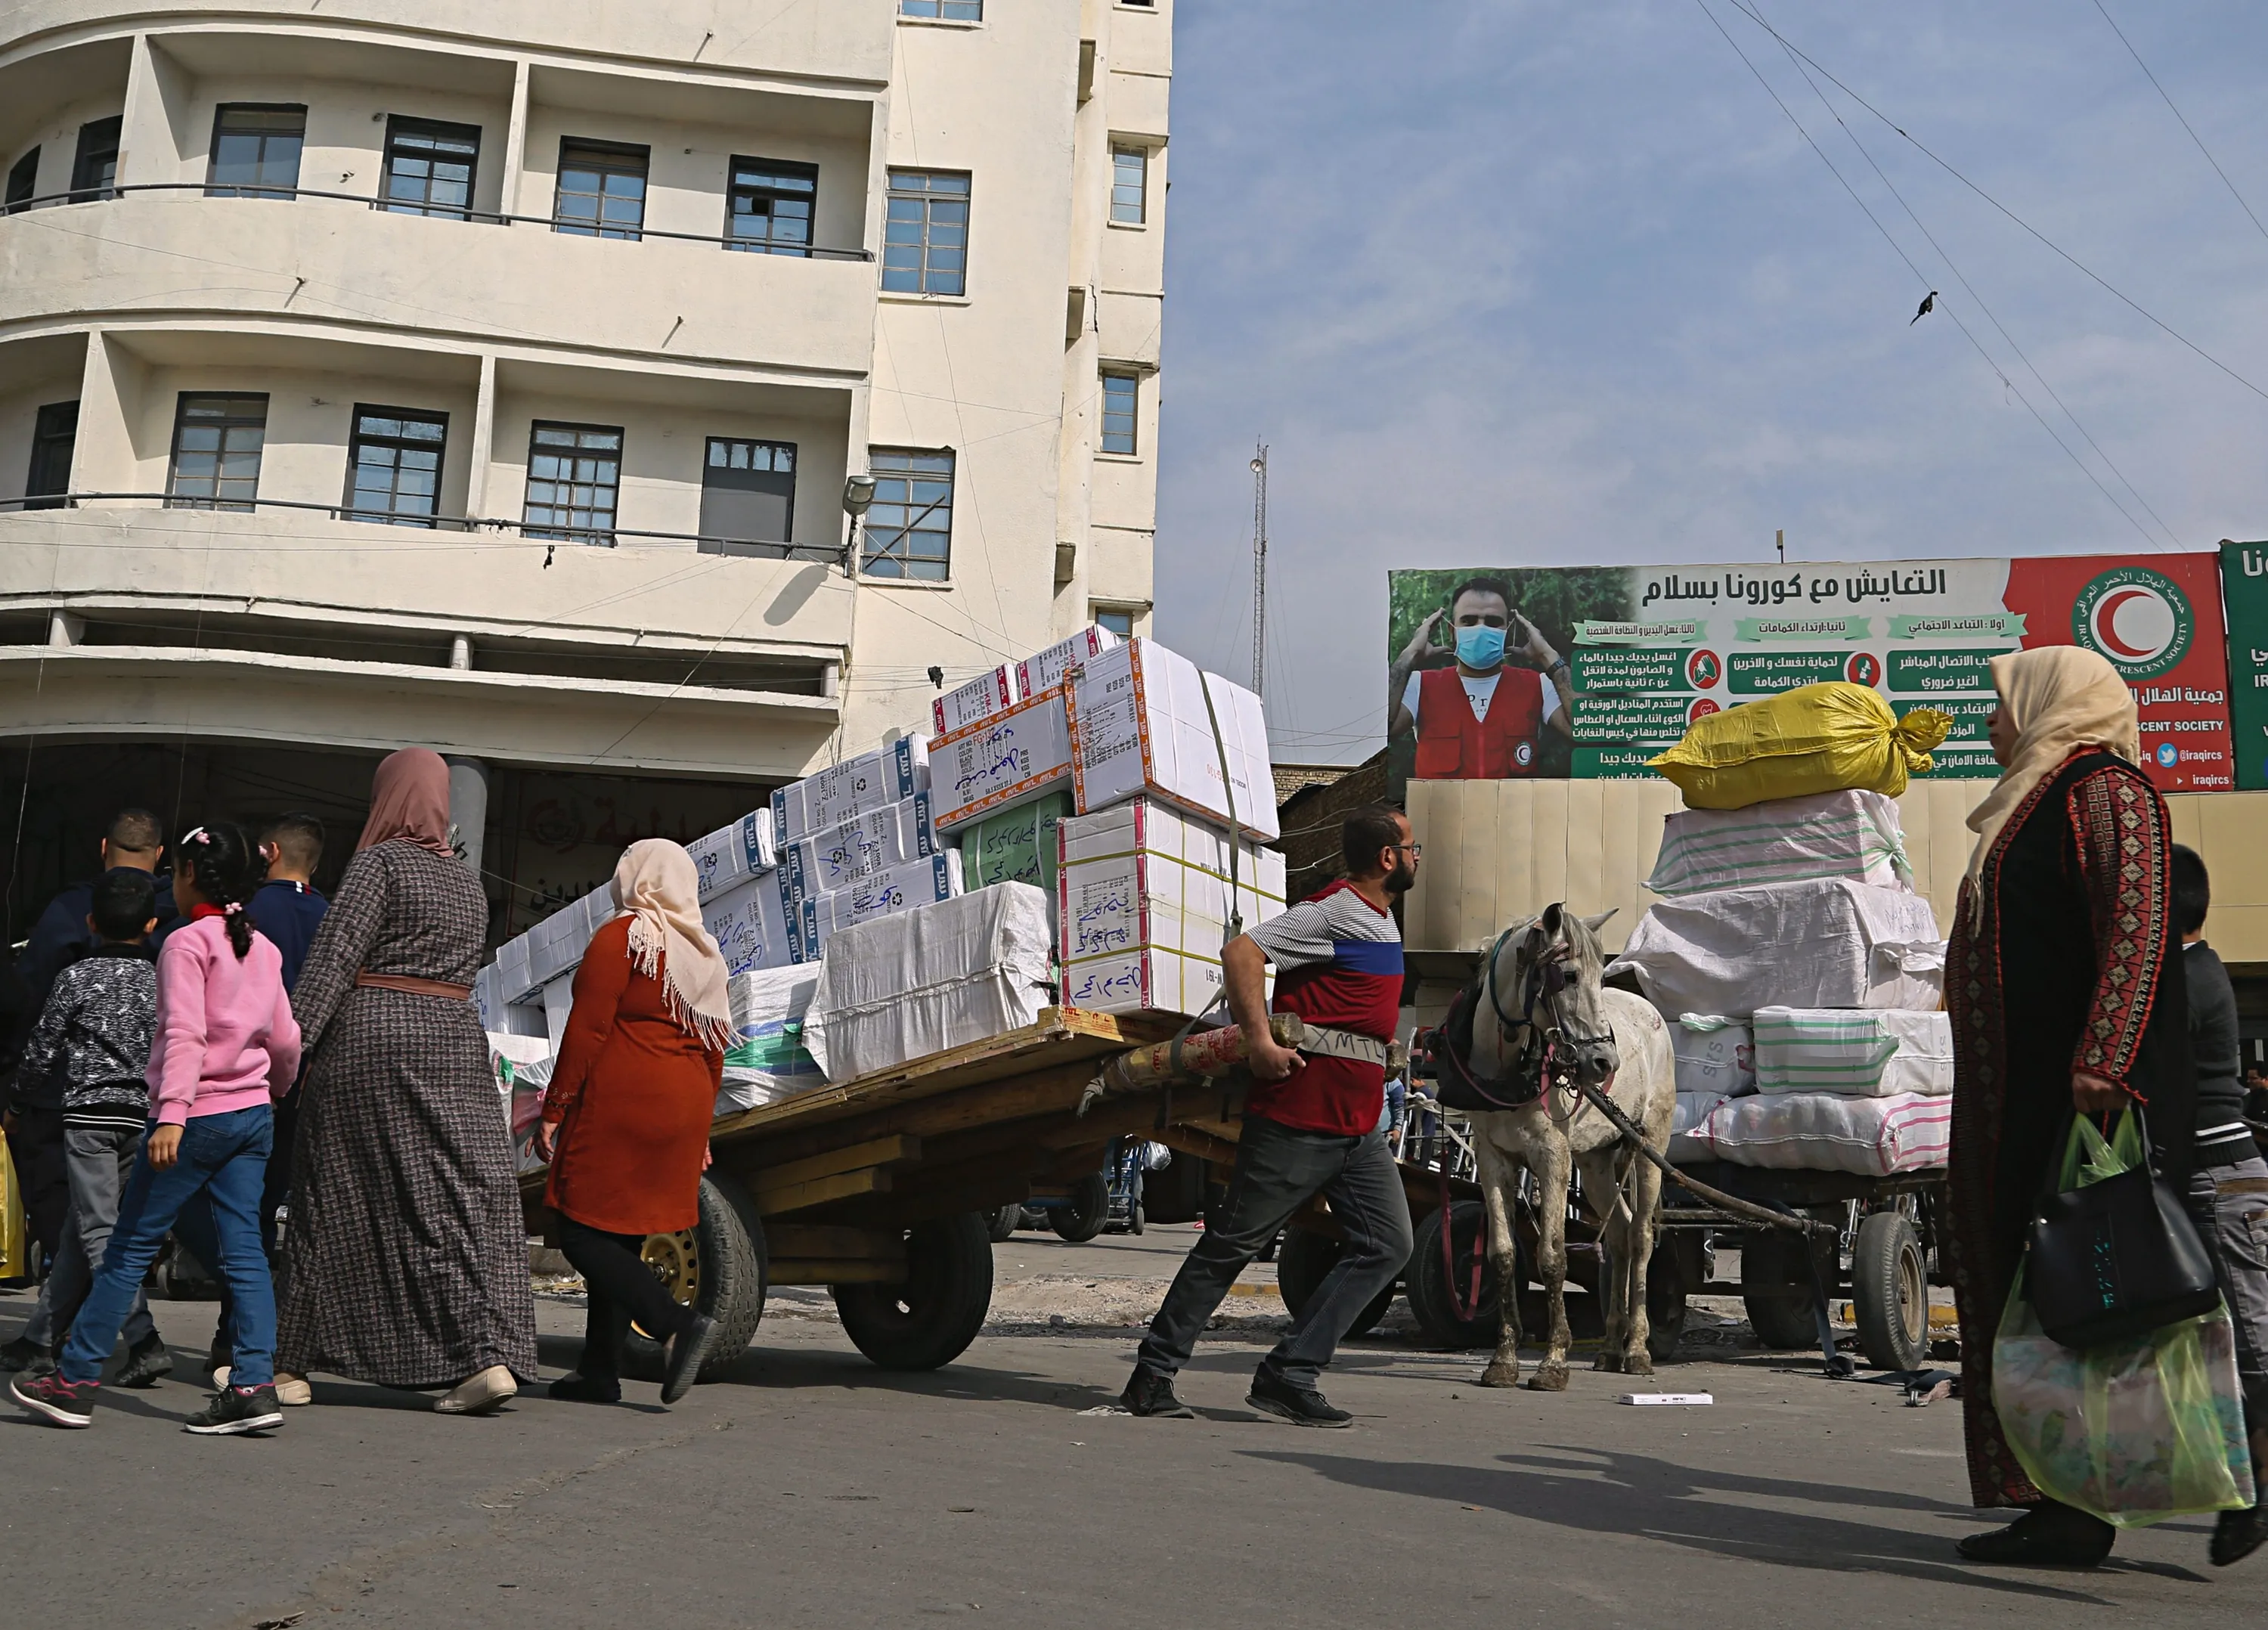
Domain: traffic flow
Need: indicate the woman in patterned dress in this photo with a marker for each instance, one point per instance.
(2064, 984)
(406, 1256)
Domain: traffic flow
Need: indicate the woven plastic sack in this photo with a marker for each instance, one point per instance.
(1814, 738)
(2135, 1431)
(14, 1236)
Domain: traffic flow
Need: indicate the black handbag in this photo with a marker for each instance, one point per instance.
(2115, 1260)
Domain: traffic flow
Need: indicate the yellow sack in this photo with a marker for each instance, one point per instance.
(1828, 738)
(14, 1254)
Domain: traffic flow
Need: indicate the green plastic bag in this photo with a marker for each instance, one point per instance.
(2137, 1431)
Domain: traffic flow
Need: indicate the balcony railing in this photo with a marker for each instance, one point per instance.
(534, 532)
(567, 225)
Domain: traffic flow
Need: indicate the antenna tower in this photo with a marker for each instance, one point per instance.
(1260, 569)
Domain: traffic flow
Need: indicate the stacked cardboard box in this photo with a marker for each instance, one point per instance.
(1145, 722)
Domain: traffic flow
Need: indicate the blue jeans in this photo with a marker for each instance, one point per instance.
(224, 1157)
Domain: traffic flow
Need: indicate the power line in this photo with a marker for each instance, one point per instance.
(2077, 264)
(1919, 276)
(1962, 278)
(2194, 137)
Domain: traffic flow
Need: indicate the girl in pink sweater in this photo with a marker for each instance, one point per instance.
(227, 1044)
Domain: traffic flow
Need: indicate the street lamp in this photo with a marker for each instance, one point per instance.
(857, 499)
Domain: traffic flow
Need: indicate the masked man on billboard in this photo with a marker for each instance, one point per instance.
(1478, 719)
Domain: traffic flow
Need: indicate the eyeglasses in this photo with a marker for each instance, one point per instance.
(1417, 850)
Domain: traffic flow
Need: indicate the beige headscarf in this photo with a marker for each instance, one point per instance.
(2060, 698)
(655, 882)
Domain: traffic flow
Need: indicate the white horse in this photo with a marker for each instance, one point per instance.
(1541, 1004)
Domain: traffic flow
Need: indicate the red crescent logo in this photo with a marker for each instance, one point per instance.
(2106, 619)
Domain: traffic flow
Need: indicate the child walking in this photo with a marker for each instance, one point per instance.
(227, 1044)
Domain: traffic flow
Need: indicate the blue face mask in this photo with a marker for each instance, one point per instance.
(1479, 646)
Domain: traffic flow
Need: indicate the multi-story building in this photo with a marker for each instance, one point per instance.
(506, 379)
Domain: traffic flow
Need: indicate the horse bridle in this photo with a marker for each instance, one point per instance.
(1542, 1022)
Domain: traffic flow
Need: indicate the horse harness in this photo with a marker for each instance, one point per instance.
(1536, 1067)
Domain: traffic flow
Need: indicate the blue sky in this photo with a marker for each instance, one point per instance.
(1548, 281)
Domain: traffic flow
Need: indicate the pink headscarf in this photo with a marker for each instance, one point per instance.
(410, 799)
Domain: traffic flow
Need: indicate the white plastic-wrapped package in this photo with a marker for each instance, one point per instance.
(1853, 835)
(864, 846)
(732, 855)
(1693, 1108)
(1010, 758)
(754, 925)
(921, 981)
(1823, 943)
(1713, 1054)
(521, 1065)
(831, 796)
(1878, 1052)
(1829, 1132)
(768, 1061)
(1141, 723)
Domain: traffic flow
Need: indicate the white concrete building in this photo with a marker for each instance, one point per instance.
(489, 377)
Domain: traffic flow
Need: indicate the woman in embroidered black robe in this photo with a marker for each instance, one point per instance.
(2064, 982)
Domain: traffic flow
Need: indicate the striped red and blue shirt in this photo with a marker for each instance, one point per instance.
(1338, 963)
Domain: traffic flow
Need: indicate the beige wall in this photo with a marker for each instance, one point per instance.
(1498, 851)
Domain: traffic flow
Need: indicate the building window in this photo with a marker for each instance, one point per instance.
(94, 168)
(747, 494)
(909, 528)
(770, 207)
(951, 10)
(394, 464)
(23, 182)
(429, 167)
(1122, 395)
(574, 473)
(601, 189)
(55, 432)
(925, 244)
(217, 445)
(255, 149)
(1117, 620)
(1129, 184)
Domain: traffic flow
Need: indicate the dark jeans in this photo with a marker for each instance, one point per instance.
(618, 1286)
(222, 1157)
(2229, 1204)
(101, 1164)
(43, 1173)
(1279, 1168)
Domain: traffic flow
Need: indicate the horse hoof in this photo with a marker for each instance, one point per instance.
(1607, 1362)
(1638, 1364)
(1500, 1376)
(1551, 1379)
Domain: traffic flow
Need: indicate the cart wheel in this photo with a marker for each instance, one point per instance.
(1002, 1224)
(1300, 1269)
(717, 1266)
(1134, 1218)
(929, 1320)
(1890, 1287)
(1665, 1301)
(1775, 1260)
(1428, 1285)
(1080, 1218)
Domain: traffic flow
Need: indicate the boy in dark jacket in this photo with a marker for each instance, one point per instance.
(93, 1043)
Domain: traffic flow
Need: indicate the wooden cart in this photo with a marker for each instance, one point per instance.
(879, 1188)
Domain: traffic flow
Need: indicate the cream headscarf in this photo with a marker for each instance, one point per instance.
(2060, 698)
(655, 882)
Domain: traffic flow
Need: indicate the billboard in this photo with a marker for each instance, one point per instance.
(2244, 596)
(1599, 669)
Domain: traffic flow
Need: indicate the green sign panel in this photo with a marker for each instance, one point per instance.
(2244, 592)
(1613, 671)
(1630, 719)
(1768, 673)
(1935, 673)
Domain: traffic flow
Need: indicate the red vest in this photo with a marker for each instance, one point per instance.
(1453, 745)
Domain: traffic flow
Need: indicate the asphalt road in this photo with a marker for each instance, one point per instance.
(812, 1489)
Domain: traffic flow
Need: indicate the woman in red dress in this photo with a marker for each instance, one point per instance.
(628, 1112)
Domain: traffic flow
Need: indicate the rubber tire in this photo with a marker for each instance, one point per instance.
(1428, 1287)
(1665, 1301)
(1890, 1288)
(1301, 1266)
(1175, 1193)
(1776, 1258)
(1002, 1224)
(1135, 1218)
(1082, 1217)
(929, 1320)
(728, 1242)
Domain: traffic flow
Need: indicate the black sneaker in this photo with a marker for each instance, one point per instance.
(2048, 1536)
(687, 1349)
(147, 1363)
(1302, 1406)
(235, 1411)
(54, 1400)
(582, 1388)
(23, 1354)
(2238, 1534)
(1152, 1394)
